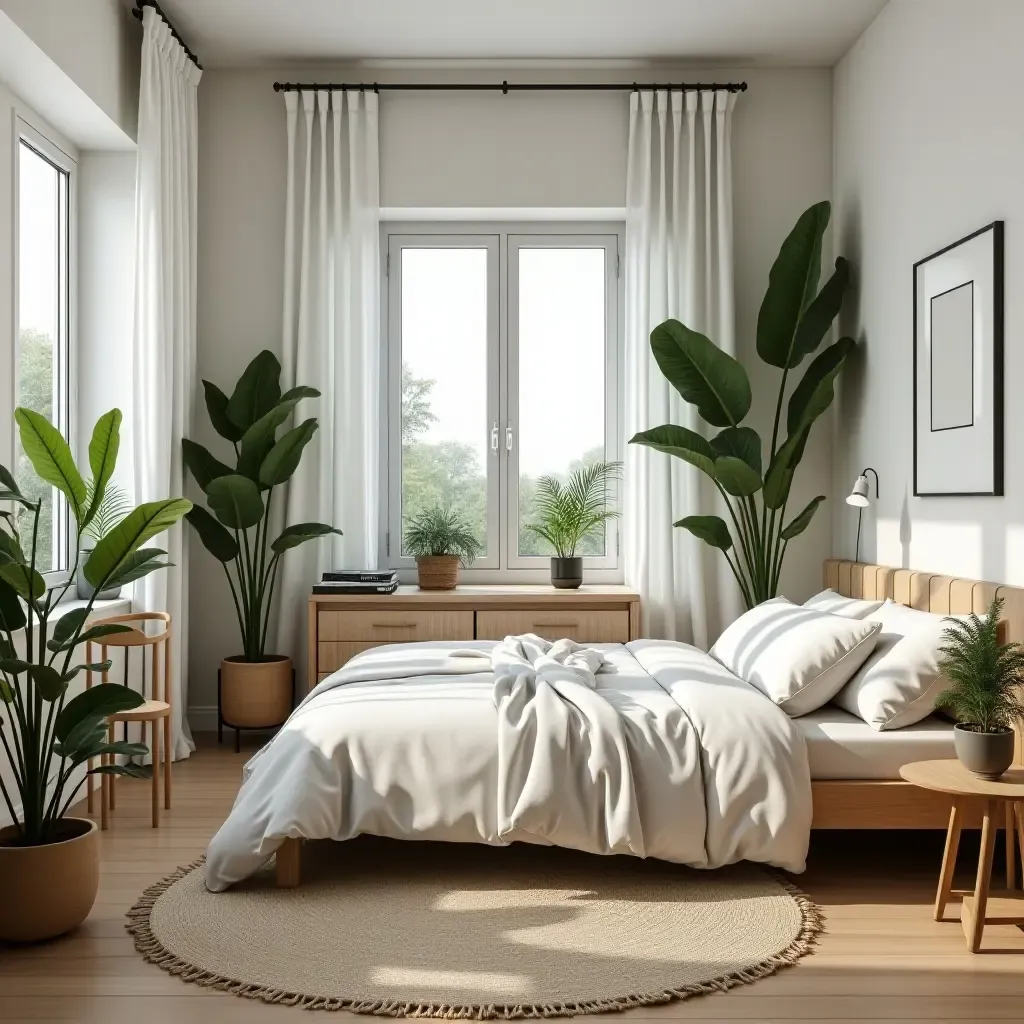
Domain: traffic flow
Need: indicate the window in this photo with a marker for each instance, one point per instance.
(502, 367)
(43, 344)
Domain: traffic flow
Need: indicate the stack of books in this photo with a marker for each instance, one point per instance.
(358, 581)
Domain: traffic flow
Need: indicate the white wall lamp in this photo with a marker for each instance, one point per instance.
(859, 498)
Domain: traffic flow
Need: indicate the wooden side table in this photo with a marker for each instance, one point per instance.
(977, 908)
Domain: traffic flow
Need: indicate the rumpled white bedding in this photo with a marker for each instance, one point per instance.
(650, 748)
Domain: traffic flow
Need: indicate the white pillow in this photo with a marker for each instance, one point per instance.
(800, 658)
(899, 683)
(836, 604)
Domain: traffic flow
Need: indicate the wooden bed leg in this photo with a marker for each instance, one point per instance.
(288, 865)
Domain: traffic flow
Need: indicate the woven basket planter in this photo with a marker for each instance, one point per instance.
(438, 572)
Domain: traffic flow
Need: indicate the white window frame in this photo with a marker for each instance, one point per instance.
(503, 563)
(28, 128)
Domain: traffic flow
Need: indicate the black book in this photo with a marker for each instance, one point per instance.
(360, 576)
(334, 587)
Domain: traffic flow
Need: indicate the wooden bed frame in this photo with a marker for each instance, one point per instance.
(861, 804)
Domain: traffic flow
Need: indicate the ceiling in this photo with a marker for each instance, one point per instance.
(228, 33)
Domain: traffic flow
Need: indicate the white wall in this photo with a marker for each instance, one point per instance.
(928, 147)
(475, 150)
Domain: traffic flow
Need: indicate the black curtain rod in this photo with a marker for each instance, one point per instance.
(506, 87)
(137, 11)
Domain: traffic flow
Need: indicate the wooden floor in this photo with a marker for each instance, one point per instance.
(882, 959)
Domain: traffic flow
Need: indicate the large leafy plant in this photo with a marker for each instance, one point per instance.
(45, 736)
(566, 514)
(440, 531)
(237, 530)
(985, 676)
(755, 482)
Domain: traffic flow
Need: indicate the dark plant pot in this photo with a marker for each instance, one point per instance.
(985, 754)
(566, 573)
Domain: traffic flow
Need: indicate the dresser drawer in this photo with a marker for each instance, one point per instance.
(595, 627)
(395, 626)
(331, 655)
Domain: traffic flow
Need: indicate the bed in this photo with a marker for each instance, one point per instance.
(413, 748)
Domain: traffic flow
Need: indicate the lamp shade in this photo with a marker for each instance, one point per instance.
(859, 494)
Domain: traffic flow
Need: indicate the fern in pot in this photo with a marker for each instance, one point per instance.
(567, 514)
(441, 539)
(256, 685)
(985, 679)
(113, 507)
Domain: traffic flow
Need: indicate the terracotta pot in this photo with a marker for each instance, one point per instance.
(985, 754)
(46, 891)
(437, 572)
(255, 694)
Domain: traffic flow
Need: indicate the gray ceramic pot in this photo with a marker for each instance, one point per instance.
(566, 573)
(986, 754)
(85, 589)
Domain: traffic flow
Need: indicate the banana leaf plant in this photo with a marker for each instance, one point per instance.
(755, 482)
(236, 530)
(44, 735)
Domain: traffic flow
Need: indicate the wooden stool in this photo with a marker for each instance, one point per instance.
(977, 908)
(156, 710)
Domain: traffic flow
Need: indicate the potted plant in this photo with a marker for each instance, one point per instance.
(441, 539)
(985, 677)
(754, 482)
(569, 513)
(255, 687)
(112, 509)
(49, 862)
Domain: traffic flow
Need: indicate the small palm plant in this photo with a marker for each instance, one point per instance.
(113, 507)
(440, 538)
(985, 678)
(567, 514)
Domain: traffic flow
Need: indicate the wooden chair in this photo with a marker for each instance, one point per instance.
(156, 710)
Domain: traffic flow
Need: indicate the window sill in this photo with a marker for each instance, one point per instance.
(100, 609)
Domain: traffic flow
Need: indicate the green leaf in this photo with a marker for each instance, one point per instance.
(792, 285)
(236, 501)
(702, 373)
(6, 693)
(814, 394)
(736, 476)
(818, 316)
(215, 538)
(260, 438)
(121, 748)
(138, 564)
(10, 550)
(103, 447)
(257, 391)
(12, 612)
(284, 457)
(48, 680)
(293, 536)
(299, 393)
(742, 442)
(21, 499)
(97, 703)
(131, 771)
(217, 408)
(26, 583)
(148, 520)
(684, 444)
(7, 481)
(14, 666)
(98, 666)
(799, 523)
(779, 477)
(66, 627)
(95, 633)
(710, 529)
(201, 464)
(51, 458)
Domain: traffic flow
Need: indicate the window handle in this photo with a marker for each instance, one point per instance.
(508, 438)
(494, 438)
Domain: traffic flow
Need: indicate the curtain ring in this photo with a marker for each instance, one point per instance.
(375, 89)
(504, 88)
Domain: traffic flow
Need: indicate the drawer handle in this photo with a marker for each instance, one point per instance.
(393, 625)
(558, 625)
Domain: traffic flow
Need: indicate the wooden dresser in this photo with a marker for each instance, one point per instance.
(340, 626)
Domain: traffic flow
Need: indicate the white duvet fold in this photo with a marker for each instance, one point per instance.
(651, 749)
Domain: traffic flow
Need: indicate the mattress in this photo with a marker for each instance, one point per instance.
(842, 746)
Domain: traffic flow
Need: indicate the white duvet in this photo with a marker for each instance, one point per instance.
(651, 749)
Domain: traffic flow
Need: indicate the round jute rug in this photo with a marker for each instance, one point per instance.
(445, 930)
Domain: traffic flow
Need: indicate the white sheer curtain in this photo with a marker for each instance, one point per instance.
(164, 341)
(678, 265)
(331, 337)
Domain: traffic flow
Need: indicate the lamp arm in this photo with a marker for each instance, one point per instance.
(869, 469)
